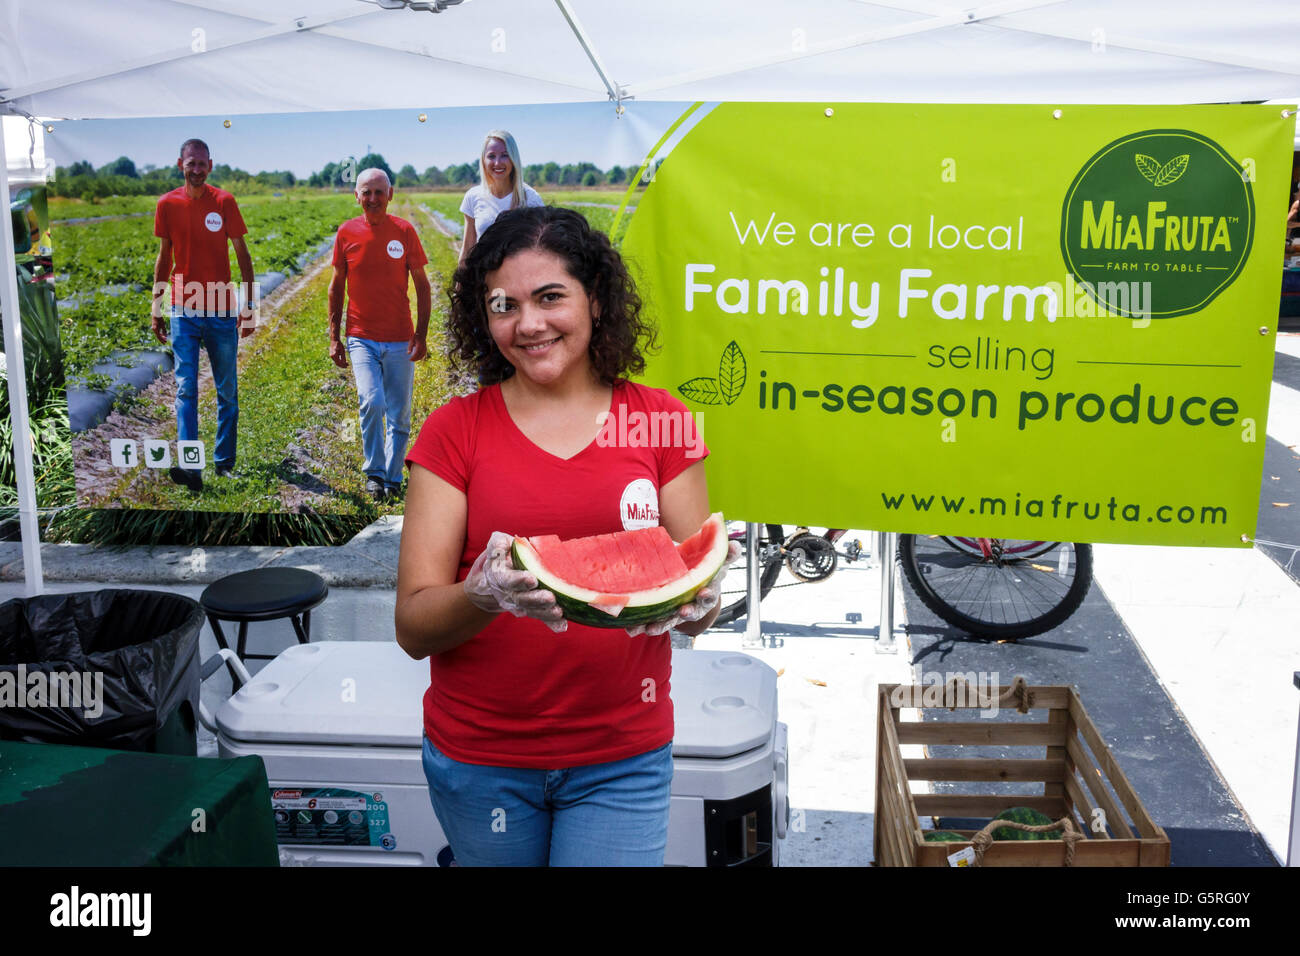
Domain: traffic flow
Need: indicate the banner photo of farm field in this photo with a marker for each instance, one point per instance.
(298, 441)
(978, 320)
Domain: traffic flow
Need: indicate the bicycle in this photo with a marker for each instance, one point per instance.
(809, 558)
(990, 587)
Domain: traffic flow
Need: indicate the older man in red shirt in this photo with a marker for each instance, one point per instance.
(373, 255)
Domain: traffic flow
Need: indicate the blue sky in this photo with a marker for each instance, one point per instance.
(304, 142)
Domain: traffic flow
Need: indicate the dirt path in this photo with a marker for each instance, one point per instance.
(465, 383)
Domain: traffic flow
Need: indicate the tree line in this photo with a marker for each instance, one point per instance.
(121, 177)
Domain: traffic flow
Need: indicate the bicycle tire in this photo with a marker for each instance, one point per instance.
(1017, 548)
(734, 599)
(996, 599)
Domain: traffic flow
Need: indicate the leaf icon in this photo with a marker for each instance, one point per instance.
(1173, 170)
(731, 372)
(703, 390)
(1147, 166)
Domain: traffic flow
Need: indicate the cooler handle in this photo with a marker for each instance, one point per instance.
(213, 664)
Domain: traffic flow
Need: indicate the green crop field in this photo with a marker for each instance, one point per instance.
(599, 206)
(62, 208)
(299, 443)
(93, 258)
(608, 195)
(298, 429)
(298, 435)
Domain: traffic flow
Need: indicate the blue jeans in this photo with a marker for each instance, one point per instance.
(385, 377)
(220, 337)
(606, 814)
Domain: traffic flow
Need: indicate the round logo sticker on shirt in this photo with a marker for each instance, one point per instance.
(213, 221)
(639, 506)
(396, 250)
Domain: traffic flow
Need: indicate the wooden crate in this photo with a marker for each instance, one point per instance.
(1070, 760)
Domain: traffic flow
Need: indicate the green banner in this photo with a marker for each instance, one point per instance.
(988, 320)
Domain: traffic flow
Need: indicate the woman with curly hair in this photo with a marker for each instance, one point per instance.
(542, 745)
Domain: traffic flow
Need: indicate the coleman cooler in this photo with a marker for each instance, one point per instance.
(339, 727)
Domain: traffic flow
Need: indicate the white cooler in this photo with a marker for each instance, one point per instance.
(339, 725)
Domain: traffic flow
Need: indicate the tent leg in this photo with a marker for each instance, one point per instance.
(753, 618)
(1293, 845)
(13, 328)
(885, 643)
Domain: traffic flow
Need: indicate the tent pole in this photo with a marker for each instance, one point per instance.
(615, 93)
(753, 588)
(1293, 845)
(14, 362)
(887, 548)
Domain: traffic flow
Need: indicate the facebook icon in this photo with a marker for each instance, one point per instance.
(124, 453)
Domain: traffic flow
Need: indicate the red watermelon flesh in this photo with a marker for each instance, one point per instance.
(629, 577)
(556, 557)
(649, 555)
(614, 563)
(696, 548)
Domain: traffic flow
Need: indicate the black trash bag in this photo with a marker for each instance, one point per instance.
(111, 668)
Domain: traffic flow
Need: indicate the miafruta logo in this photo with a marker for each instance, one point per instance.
(1165, 210)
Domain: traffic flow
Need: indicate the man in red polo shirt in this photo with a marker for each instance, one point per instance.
(194, 223)
(373, 255)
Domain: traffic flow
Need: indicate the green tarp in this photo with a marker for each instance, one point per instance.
(85, 806)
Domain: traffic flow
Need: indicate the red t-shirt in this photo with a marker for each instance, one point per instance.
(516, 694)
(378, 261)
(198, 230)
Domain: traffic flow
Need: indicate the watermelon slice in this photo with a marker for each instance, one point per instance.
(618, 580)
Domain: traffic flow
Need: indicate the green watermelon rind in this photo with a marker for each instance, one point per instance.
(945, 836)
(1029, 817)
(643, 606)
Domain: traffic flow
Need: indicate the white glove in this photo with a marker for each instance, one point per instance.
(705, 600)
(494, 585)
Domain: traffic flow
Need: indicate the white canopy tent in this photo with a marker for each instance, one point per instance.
(80, 59)
(86, 58)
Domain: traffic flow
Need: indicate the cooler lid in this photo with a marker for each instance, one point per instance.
(724, 703)
(333, 692)
(370, 693)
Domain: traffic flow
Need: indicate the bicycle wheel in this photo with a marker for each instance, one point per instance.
(734, 600)
(1005, 596)
(1010, 547)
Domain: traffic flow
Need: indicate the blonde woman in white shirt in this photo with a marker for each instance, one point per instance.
(499, 188)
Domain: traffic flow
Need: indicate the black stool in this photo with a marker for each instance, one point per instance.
(263, 594)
